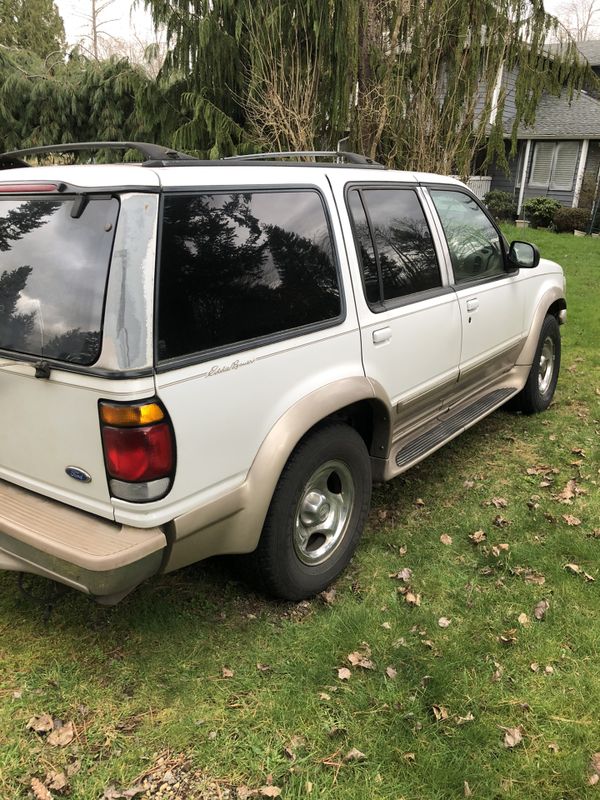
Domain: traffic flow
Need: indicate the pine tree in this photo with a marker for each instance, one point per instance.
(33, 25)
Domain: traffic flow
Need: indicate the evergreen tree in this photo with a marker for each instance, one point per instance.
(33, 25)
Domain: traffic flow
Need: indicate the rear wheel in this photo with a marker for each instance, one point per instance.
(316, 515)
(539, 390)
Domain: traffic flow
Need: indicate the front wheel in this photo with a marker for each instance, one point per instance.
(316, 515)
(538, 392)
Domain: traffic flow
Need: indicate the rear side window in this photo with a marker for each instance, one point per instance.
(53, 272)
(395, 245)
(236, 267)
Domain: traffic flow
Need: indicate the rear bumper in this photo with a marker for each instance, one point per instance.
(93, 555)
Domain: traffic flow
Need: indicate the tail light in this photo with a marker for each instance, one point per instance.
(139, 449)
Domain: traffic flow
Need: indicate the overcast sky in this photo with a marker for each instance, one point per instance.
(118, 19)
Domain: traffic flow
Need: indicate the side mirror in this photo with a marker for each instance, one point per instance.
(523, 254)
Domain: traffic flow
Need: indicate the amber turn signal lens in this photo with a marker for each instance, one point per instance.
(130, 415)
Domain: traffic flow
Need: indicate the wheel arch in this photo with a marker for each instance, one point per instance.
(551, 302)
(233, 524)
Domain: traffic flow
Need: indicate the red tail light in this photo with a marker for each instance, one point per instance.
(139, 458)
(25, 188)
(138, 454)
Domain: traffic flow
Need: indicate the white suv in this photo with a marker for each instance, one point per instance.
(200, 358)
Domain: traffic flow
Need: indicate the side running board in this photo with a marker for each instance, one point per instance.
(450, 427)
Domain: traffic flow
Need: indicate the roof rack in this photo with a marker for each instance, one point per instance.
(14, 158)
(339, 155)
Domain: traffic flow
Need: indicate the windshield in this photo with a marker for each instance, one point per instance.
(53, 272)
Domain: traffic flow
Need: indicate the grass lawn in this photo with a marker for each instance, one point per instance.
(195, 676)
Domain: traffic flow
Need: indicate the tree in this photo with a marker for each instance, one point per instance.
(581, 18)
(33, 25)
(409, 81)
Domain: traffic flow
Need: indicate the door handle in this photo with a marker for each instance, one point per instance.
(382, 335)
(472, 304)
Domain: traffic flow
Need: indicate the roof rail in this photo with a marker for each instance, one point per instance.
(149, 151)
(340, 155)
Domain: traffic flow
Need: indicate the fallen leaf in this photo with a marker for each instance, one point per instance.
(539, 612)
(508, 637)
(535, 578)
(403, 550)
(553, 747)
(445, 539)
(404, 575)
(354, 755)
(227, 673)
(463, 720)
(391, 672)
(419, 503)
(386, 626)
(467, 790)
(523, 619)
(39, 790)
(578, 451)
(549, 670)
(534, 666)
(270, 791)
(328, 596)
(477, 537)
(501, 522)
(409, 757)
(571, 520)
(513, 736)
(56, 780)
(344, 674)
(42, 723)
(443, 622)
(17, 695)
(440, 713)
(500, 548)
(575, 569)
(263, 667)
(412, 599)
(498, 502)
(588, 577)
(469, 484)
(324, 696)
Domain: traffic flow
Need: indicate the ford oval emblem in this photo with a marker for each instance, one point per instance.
(78, 474)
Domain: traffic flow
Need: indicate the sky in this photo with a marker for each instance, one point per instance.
(119, 19)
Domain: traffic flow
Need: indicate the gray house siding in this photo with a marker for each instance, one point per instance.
(590, 177)
(509, 81)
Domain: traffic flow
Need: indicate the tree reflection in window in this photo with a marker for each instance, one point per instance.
(235, 267)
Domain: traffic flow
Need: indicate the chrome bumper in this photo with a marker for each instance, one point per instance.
(93, 555)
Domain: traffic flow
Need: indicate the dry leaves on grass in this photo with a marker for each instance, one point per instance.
(59, 734)
(575, 569)
(445, 539)
(354, 755)
(497, 502)
(523, 619)
(501, 522)
(403, 575)
(444, 622)
(594, 777)
(508, 637)
(571, 520)
(227, 673)
(412, 599)
(344, 674)
(440, 713)
(40, 792)
(498, 549)
(391, 672)
(328, 596)
(570, 491)
(477, 537)
(539, 612)
(513, 736)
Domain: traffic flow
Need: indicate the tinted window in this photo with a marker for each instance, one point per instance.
(366, 249)
(406, 259)
(236, 267)
(53, 271)
(473, 241)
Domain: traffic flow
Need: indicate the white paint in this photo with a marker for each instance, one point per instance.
(496, 94)
(524, 176)
(580, 172)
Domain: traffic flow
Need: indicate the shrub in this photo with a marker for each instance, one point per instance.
(540, 211)
(566, 220)
(501, 205)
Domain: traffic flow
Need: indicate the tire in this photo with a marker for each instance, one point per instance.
(317, 514)
(538, 392)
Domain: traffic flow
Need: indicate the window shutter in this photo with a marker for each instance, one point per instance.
(565, 162)
(542, 164)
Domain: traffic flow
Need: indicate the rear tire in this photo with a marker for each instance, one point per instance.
(538, 392)
(317, 514)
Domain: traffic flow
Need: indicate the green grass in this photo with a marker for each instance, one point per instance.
(145, 677)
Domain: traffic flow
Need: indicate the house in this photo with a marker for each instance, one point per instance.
(559, 155)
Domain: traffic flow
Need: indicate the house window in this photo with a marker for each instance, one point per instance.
(554, 165)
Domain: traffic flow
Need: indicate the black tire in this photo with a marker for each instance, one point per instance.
(538, 392)
(326, 484)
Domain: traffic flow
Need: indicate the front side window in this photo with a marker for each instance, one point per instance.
(236, 267)
(473, 242)
(53, 272)
(394, 241)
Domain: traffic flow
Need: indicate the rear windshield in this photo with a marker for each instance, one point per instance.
(53, 273)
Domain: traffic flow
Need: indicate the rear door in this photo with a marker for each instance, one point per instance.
(55, 253)
(409, 315)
